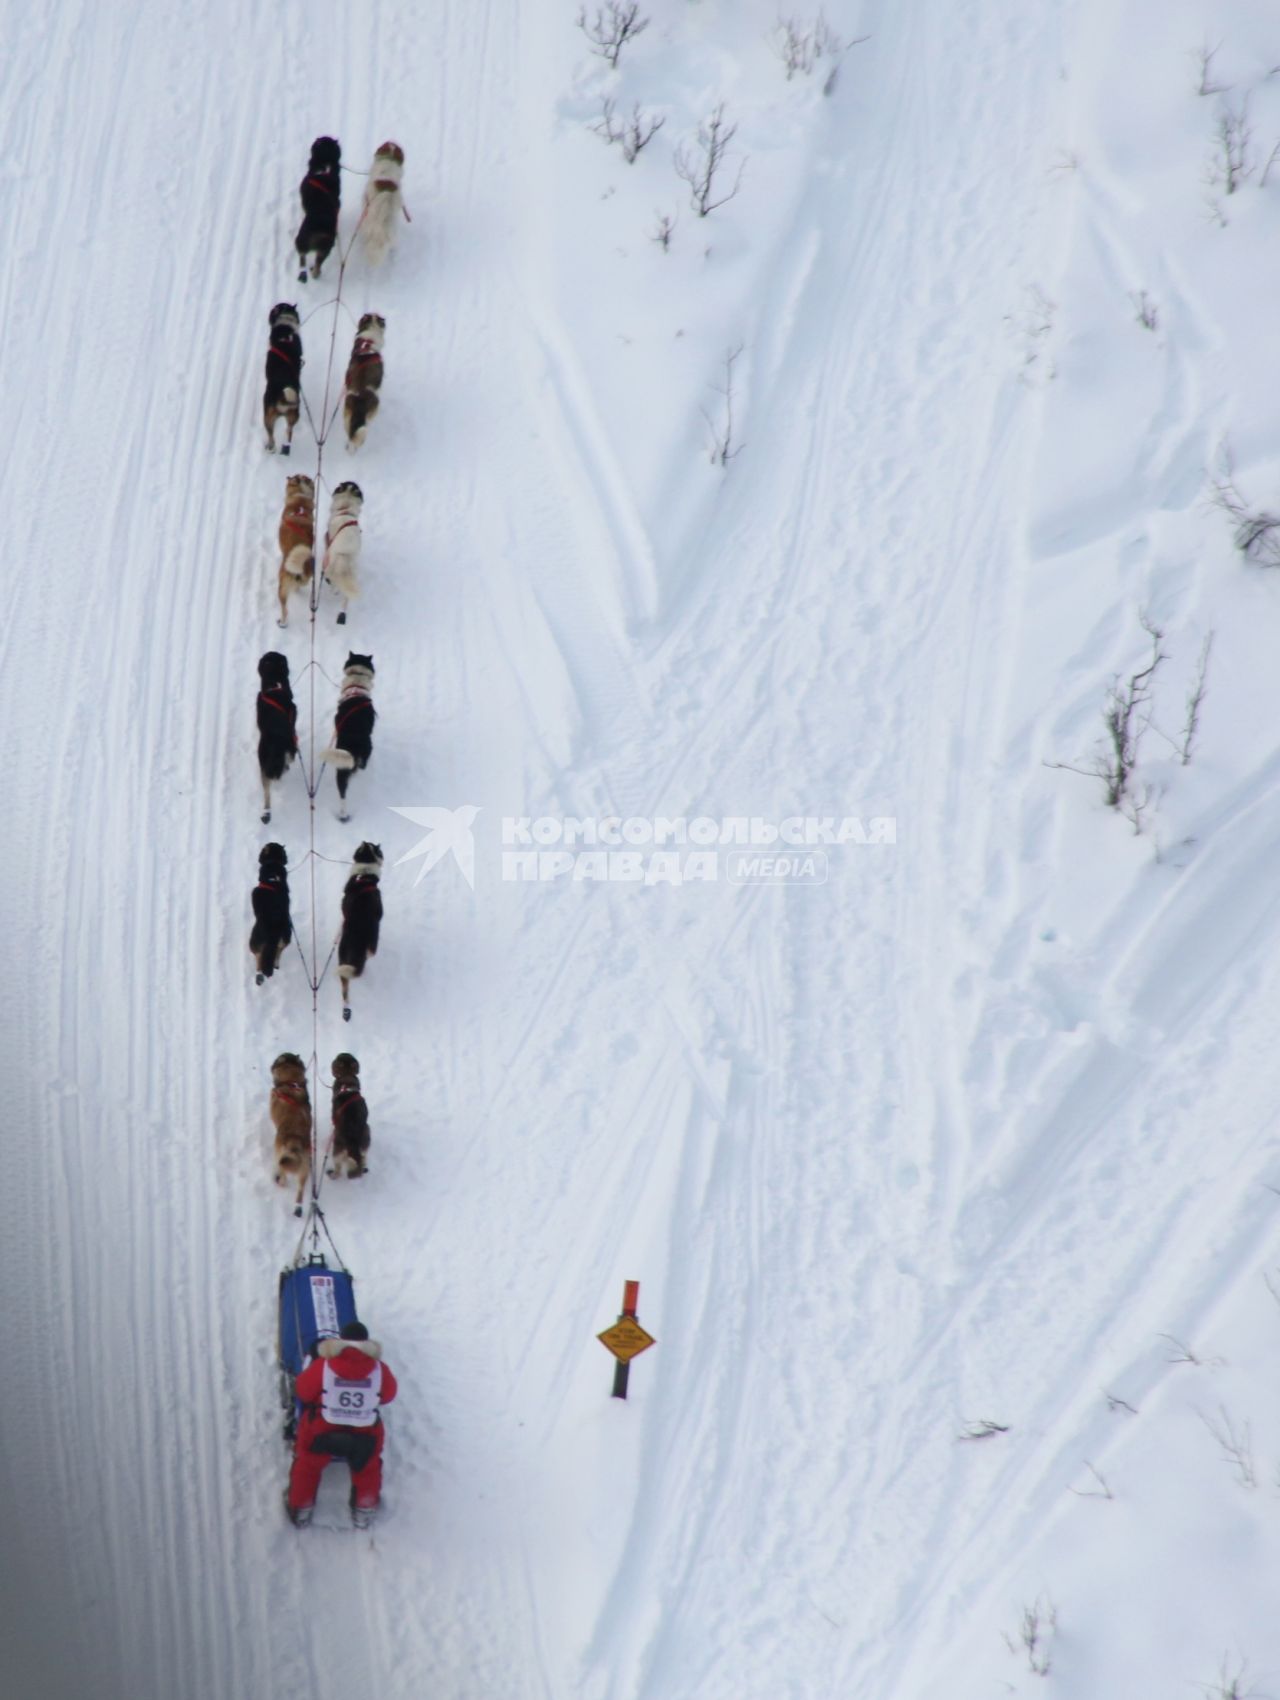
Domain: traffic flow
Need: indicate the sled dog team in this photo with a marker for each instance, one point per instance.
(351, 745)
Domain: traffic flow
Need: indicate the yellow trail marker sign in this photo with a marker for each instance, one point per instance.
(626, 1339)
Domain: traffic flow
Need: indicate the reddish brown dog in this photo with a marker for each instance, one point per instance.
(291, 1118)
(297, 540)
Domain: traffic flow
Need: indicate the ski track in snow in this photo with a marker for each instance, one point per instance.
(733, 1091)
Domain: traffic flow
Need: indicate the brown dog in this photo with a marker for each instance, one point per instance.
(364, 378)
(291, 1117)
(350, 1120)
(297, 539)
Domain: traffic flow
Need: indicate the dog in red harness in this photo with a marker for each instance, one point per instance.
(277, 724)
(364, 378)
(290, 1109)
(342, 1392)
(321, 194)
(342, 544)
(283, 395)
(272, 924)
(383, 204)
(352, 725)
(350, 1149)
(297, 538)
(361, 919)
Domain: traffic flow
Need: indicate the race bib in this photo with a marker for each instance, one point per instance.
(350, 1404)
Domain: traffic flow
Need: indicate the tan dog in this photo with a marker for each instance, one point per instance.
(350, 1120)
(342, 543)
(291, 1118)
(383, 205)
(297, 540)
(364, 378)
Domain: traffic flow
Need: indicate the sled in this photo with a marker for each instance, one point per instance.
(315, 1300)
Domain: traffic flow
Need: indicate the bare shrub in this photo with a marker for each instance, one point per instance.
(1255, 531)
(1126, 715)
(1035, 1635)
(1235, 1441)
(702, 163)
(615, 24)
(723, 446)
(663, 231)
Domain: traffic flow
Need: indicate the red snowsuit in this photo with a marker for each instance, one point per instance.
(354, 1361)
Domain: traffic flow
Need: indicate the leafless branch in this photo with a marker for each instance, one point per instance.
(1195, 700)
(723, 447)
(1102, 1491)
(1182, 1354)
(615, 24)
(1235, 1443)
(1204, 56)
(1116, 1403)
(700, 163)
(1230, 162)
(1256, 533)
(984, 1429)
(1036, 1631)
(801, 43)
(664, 229)
(1229, 1684)
(1146, 312)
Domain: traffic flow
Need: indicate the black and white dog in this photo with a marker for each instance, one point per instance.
(283, 393)
(352, 725)
(272, 927)
(361, 918)
(277, 724)
(321, 192)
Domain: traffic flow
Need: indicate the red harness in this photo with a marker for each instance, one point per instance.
(365, 350)
(281, 355)
(342, 527)
(353, 707)
(319, 183)
(291, 1091)
(353, 1095)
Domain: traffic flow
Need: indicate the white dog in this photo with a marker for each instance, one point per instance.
(382, 202)
(342, 543)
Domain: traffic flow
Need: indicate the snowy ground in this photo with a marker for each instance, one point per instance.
(980, 1129)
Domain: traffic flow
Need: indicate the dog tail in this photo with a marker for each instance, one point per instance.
(347, 971)
(299, 563)
(380, 218)
(341, 576)
(290, 396)
(341, 759)
(361, 406)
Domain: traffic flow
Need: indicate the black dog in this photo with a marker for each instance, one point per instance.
(283, 393)
(351, 1137)
(277, 725)
(352, 725)
(272, 927)
(361, 918)
(321, 192)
